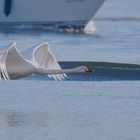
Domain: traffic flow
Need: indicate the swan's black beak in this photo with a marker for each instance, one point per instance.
(90, 70)
(87, 70)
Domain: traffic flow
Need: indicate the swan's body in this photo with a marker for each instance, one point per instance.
(36, 60)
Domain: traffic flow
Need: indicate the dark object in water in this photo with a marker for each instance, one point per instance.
(104, 71)
(7, 7)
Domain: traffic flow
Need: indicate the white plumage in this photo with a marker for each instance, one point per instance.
(35, 60)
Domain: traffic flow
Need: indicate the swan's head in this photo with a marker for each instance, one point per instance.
(86, 69)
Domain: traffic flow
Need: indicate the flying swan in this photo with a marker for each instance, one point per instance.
(35, 60)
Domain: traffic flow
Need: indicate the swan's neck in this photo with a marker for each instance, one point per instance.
(61, 71)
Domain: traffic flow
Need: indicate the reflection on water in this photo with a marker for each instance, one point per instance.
(32, 110)
(15, 125)
(18, 118)
(11, 119)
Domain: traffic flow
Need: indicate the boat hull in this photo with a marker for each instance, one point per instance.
(49, 12)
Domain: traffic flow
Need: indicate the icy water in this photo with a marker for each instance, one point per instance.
(103, 105)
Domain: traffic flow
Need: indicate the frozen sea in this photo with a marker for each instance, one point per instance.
(103, 105)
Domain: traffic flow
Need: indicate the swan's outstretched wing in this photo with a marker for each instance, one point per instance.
(42, 56)
(3, 69)
(14, 64)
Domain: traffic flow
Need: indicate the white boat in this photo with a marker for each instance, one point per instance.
(75, 13)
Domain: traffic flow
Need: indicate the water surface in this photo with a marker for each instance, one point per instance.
(103, 105)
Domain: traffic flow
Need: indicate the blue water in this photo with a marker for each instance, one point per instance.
(103, 105)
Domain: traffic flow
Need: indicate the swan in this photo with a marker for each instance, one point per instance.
(35, 60)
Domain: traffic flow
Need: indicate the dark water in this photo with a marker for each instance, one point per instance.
(105, 71)
(101, 71)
